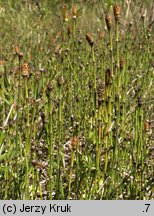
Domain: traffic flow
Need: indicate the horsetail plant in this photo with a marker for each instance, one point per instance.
(117, 79)
(91, 43)
(20, 56)
(59, 147)
(108, 77)
(24, 68)
(101, 90)
(49, 95)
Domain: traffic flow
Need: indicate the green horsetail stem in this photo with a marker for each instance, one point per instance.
(17, 125)
(60, 192)
(50, 141)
